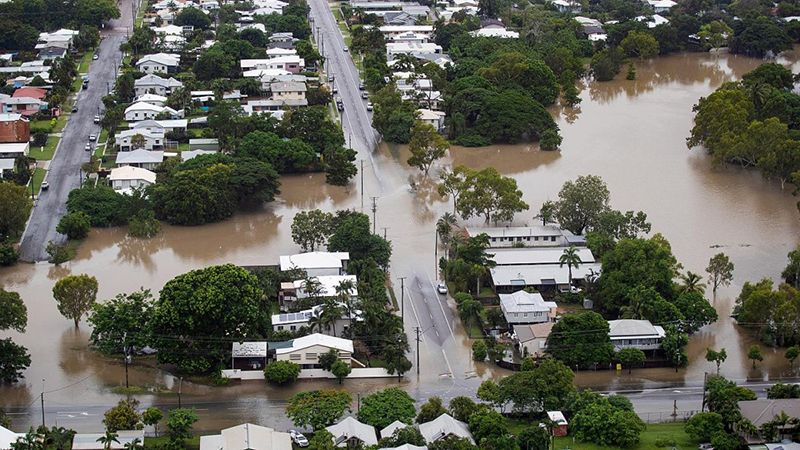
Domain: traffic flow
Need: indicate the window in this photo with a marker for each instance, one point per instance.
(280, 327)
(292, 327)
(311, 356)
(552, 238)
(295, 357)
(536, 238)
(524, 314)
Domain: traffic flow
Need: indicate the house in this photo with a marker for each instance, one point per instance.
(289, 63)
(389, 430)
(305, 350)
(278, 52)
(153, 99)
(155, 85)
(288, 90)
(165, 126)
(204, 144)
(564, 6)
(191, 154)
(144, 111)
(392, 31)
(266, 106)
(406, 447)
(762, 411)
(27, 106)
(249, 355)
(63, 37)
(559, 423)
(532, 236)
(14, 150)
(496, 31)
(52, 51)
(153, 139)
(652, 21)
(536, 255)
(532, 339)
(443, 426)
(145, 159)
(89, 441)
(538, 267)
(351, 430)
(296, 320)
(14, 128)
(661, 6)
(394, 49)
(317, 263)
(128, 178)
(159, 63)
(410, 37)
(6, 169)
(784, 445)
(8, 437)
(325, 287)
(247, 436)
(523, 307)
(630, 333)
(432, 118)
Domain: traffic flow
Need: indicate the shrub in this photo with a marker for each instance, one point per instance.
(39, 139)
(144, 224)
(75, 225)
(282, 372)
(472, 140)
(59, 253)
(549, 140)
(665, 442)
(8, 255)
(479, 350)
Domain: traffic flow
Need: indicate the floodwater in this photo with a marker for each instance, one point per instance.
(632, 133)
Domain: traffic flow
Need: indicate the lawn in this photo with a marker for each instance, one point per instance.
(183, 147)
(193, 443)
(61, 122)
(83, 67)
(45, 153)
(103, 136)
(38, 177)
(656, 431)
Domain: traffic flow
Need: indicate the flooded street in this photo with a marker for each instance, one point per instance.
(632, 133)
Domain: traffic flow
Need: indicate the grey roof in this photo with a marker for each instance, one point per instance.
(762, 411)
(288, 86)
(350, 428)
(535, 255)
(297, 317)
(154, 80)
(140, 157)
(633, 328)
(444, 426)
(523, 302)
(527, 333)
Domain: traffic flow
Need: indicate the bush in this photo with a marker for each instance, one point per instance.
(75, 225)
(479, 350)
(59, 253)
(472, 140)
(39, 139)
(144, 224)
(8, 255)
(665, 442)
(549, 140)
(282, 372)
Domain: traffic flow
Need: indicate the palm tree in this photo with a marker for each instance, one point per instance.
(315, 322)
(135, 444)
(60, 438)
(343, 291)
(331, 312)
(692, 283)
(30, 441)
(469, 308)
(312, 287)
(108, 439)
(444, 227)
(571, 259)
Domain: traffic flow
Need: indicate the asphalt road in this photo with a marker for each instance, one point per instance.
(64, 172)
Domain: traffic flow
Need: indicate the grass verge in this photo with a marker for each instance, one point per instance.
(193, 443)
(662, 432)
(83, 67)
(38, 177)
(45, 153)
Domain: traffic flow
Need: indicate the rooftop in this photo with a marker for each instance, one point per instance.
(247, 436)
(624, 328)
(249, 350)
(88, 441)
(140, 157)
(523, 301)
(542, 274)
(314, 260)
(443, 426)
(344, 345)
(349, 427)
(535, 255)
(527, 333)
(132, 173)
(761, 411)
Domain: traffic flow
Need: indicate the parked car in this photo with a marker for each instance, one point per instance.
(97, 118)
(298, 438)
(441, 288)
(92, 137)
(364, 95)
(340, 106)
(88, 147)
(369, 106)
(346, 49)
(330, 78)
(75, 108)
(334, 90)
(361, 86)
(705, 447)
(45, 185)
(570, 289)
(96, 57)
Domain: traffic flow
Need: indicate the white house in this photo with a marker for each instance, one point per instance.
(316, 263)
(392, 31)
(443, 426)
(8, 437)
(350, 429)
(247, 436)
(249, 356)
(288, 90)
(523, 307)
(296, 320)
(536, 255)
(532, 339)
(629, 333)
(191, 154)
(325, 287)
(389, 430)
(153, 139)
(289, 63)
(653, 21)
(159, 63)
(538, 267)
(145, 159)
(13, 150)
(144, 111)
(278, 52)
(155, 85)
(127, 178)
(433, 118)
(394, 49)
(495, 30)
(661, 6)
(165, 126)
(153, 99)
(532, 236)
(306, 350)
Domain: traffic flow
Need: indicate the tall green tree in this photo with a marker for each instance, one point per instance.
(75, 295)
(179, 425)
(581, 203)
(571, 258)
(426, 146)
(720, 271)
(581, 340)
(15, 207)
(319, 408)
(122, 321)
(14, 359)
(487, 193)
(385, 406)
(123, 416)
(717, 357)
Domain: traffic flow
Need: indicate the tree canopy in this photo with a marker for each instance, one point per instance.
(385, 406)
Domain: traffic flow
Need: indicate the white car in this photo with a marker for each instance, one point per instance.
(88, 147)
(441, 288)
(96, 57)
(92, 137)
(346, 49)
(369, 106)
(298, 438)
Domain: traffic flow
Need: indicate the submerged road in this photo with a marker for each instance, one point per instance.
(64, 173)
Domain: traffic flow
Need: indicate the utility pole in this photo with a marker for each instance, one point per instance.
(705, 378)
(384, 232)
(402, 297)
(374, 209)
(127, 357)
(436, 252)
(42, 398)
(180, 385)
(362, 185)
(418, 340)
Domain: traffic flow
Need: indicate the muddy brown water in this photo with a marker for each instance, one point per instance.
(632, 133)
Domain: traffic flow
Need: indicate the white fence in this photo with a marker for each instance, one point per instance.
(366, 372)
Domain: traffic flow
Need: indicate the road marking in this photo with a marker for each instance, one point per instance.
(441, 307)
(448, 363)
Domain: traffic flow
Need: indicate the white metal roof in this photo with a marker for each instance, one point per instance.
(142, 106)
(14, 147)
(536, 255)
(247, 436)
(167, 59)
(542, 274)
(523, 302)
(140, 156)
(314, 260)
(344, 345)
(557, 417)
(391, 428)
(249, 350)
(132, 173)
(349, 427)
(8, 437)
(630, 328)
(328, 284)
(444, 426)
(535, 230)
(88, 441)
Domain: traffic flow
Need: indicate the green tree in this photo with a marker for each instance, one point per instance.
(179, 425)
(14, 359)
(282, 372)
(723, 397)
(791, 354)
(581, 203)
(791, 274)
(462, 407)
(630, 357)
(781, 390)
(385, 406)
(717, 357)
(151, 416)
(692, 283)
(122, 417)
(754, 354)
(193, 17)
(75, 295)
(452, 184)
(491, 195)
(714, 35)
(392, 117)
(322, 440)
(430, 410)
(326, 360)
(318, 409)
(534, 438)
(546, 387)
(702, 426)
(209, 307)
(143, 224)
(15, 207)
(581, 340)
(104, 206)
(311, 229)
(755, 36)
(479, 350)
(74, 225)
(13, 312)
(640, 44)
(571, 258)
(120, 322)
(340, 166)
(603, 424)
(340, 370)
(405, 435)
(487, 426)
(353, 234)
(426, 146)
(452, 443)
